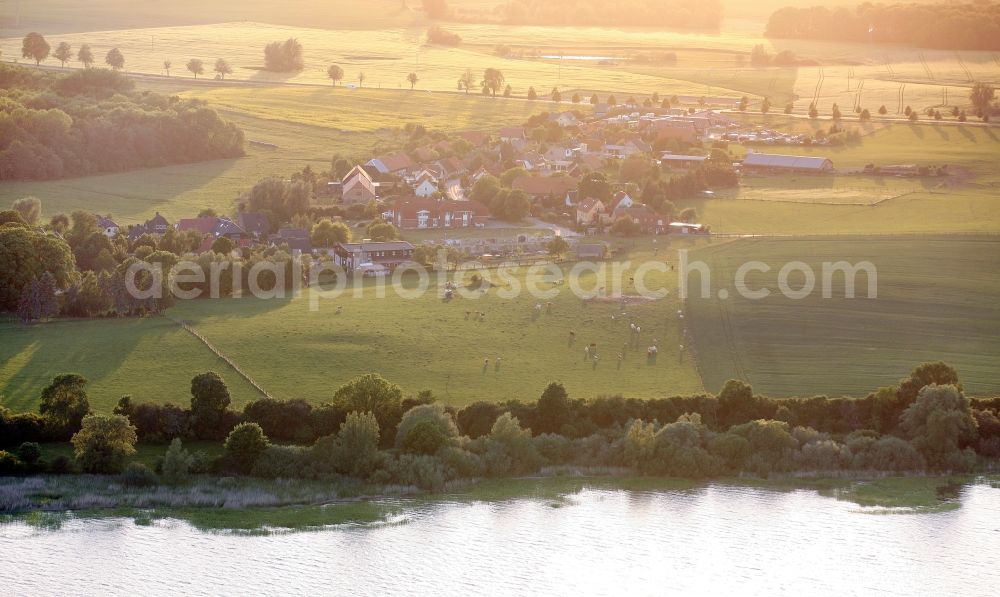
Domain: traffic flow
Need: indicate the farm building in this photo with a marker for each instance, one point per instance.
(686, 228)
(766, 162)
(590, 250)
(372, 258)
(673, 160)
(107, 226)
(589, 211)
(212, 225)
(254, 223)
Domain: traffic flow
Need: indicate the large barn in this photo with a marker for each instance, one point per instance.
(786, 163)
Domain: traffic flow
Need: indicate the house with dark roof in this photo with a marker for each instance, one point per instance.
(156, 225)
(370, 258)
(107, 226)
(429, 213)
(214, 226)
(254, 223)
(296, 239)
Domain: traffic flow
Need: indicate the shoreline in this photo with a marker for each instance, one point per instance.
(252, 505)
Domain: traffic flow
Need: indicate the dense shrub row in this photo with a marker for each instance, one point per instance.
(369, 431)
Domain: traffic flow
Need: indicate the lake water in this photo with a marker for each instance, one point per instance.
(708, 541)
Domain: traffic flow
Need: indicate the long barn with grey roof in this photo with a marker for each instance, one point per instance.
(790, 163)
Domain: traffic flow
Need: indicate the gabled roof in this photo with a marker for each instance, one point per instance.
(254, 222)
(545, 185)
(103, 222)
(394, 162)
(155, 221)
(590, 203)
(798, 162)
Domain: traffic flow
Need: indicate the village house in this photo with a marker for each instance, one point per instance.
(107, 226)
(368, 258)
(426, 185)
(156, 226)
(211, 225)
(297, 240)
(357, 187)
(648, 221)
(395, 163)
(589, 211)
(766, 162)
(428, 213)
(254, 223)
(621, 200)
(564, 119)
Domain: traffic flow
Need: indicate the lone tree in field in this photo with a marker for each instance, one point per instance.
(836, 112)
(556, 96)
(115, 59)
(744, 101)
(594, 100)
(85, 56)
(576, 98)
(865, 115)
(167, 65)
(981, 96)
(467, 80)
(412, 78)
(882, 110)
(196, 67)
(532, 94)
(63, 53)
(493, 80)
(222, 68)
(361, 79)
(813, 112)
(335, 73)
(789, 107)
(765, 106)
(35, 47)
(283, 57)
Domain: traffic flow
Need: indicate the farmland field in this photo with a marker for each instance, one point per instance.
(938, 299)
(424, 343)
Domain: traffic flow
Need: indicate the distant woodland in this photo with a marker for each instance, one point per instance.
(91, 121)
(944, 25)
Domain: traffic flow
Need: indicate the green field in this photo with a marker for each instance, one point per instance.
(938, 299)
(423, 343)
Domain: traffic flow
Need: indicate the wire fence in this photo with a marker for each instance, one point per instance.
(183, 324)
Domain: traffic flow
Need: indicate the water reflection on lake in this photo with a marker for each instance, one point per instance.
(713, 540)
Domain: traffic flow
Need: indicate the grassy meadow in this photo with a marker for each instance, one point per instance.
(421, 343)
(938, 299)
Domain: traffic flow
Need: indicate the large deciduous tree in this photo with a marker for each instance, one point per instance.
(35, 47)
(104, 443)
(209, 401)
